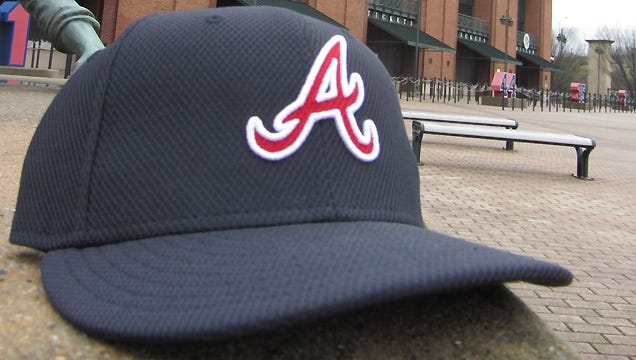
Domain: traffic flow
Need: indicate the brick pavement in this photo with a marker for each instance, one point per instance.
(524, 201)
(527, 202)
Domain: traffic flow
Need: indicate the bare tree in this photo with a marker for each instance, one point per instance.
(623, 57)
(568, 55)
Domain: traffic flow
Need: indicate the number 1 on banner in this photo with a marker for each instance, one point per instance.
(14, 30)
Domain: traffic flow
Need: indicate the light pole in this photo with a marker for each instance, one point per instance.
(417, 43)
(561, 39)
(506, 21)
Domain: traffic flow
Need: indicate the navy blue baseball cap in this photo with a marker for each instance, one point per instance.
(217, 173)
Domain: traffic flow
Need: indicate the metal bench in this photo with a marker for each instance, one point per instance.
(582, 145)
(463, 119)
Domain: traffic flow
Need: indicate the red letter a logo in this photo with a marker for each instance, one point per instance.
(328, 93)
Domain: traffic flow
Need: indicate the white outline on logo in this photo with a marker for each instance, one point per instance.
(329, 89)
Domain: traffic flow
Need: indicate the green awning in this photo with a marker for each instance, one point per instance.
(488, 51)
(295, 6)
(408, 35)
(538, 61)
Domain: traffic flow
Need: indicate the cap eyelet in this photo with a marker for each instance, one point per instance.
(213, 19)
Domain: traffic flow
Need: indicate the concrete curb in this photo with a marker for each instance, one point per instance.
(33, 79)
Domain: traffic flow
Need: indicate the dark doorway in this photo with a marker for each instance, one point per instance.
(389, 49)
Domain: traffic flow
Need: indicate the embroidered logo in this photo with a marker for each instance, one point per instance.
(327, 94)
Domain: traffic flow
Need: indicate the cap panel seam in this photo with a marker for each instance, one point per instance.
(309, 58)
(91, 164)
(84, 193)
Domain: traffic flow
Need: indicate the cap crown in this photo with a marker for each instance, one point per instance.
(151, 137)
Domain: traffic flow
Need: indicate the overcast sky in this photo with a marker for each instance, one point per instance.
(589, 15)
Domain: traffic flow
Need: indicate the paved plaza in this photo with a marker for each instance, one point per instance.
(524, 201)
(527, 202)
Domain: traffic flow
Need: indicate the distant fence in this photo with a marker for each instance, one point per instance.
(447, 91)
(42, 55)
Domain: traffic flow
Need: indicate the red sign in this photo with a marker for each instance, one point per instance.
(14, 31)
(503, 84)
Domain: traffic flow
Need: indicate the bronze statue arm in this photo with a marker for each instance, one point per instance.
(68, 26)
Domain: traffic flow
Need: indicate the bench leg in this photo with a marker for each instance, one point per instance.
(418, 132)
(582, 162)
(510, 145)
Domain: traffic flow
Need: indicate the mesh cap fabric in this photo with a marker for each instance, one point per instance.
(222, 172)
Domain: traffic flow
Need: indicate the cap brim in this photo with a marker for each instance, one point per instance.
(231, 283)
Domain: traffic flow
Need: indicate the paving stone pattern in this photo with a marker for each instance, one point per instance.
(524, 201)
(527, 202)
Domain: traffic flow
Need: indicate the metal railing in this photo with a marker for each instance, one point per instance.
(406, 8)
(471, 25)
(534, 43)
(525, 99)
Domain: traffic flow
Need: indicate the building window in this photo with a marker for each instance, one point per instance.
(466, 7)
(521, 16)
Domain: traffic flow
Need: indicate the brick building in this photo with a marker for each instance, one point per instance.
(464, 40)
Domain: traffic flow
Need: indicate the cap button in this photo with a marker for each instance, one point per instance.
(213, 19)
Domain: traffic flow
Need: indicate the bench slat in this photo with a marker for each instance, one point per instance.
(460, 119)
(582, 145)
(506, 134)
